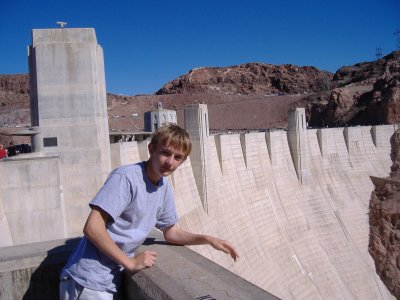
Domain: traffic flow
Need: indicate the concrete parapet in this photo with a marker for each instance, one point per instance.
(31, 272)
(183, 274)
(31, 202)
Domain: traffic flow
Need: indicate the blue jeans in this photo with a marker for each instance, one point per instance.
(71, 290)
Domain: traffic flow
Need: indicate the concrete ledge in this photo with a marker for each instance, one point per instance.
(181, 273)
(31, 272)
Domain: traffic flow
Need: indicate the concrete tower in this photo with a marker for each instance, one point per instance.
(297, 138)
(69, 109)
(196, 124)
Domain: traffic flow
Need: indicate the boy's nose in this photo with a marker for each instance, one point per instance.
(169, 160)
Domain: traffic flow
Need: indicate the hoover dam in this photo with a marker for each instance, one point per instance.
(294, 202)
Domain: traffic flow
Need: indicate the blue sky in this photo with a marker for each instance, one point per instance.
(148, 43)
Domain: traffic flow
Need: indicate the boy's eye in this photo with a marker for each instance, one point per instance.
(178, 158)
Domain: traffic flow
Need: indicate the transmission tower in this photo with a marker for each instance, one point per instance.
(397, 33)
(378, 53)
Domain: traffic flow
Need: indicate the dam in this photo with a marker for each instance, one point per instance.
(294, 202)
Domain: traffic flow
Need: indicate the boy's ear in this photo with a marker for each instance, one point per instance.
(151, 148)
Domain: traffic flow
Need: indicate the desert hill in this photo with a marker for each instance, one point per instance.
(255, 79)
(253, 96)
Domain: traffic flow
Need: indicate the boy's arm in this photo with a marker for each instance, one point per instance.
(177, 236)
(95, 231)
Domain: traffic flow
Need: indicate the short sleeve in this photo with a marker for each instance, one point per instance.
(114, 195)
(167, 216)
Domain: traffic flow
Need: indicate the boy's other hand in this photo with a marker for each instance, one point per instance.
(224, 246)
(143, 260)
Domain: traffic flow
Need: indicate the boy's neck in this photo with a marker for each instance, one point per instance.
(154, 179)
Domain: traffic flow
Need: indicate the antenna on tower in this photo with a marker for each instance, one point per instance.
(62, 24)
(378, 53)
(397, 33)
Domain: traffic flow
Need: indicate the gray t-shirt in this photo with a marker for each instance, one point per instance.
(135, 206)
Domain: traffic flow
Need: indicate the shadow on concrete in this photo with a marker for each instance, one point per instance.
(153, 241)
(44, 281)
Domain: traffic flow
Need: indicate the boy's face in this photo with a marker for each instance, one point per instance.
(164, 160)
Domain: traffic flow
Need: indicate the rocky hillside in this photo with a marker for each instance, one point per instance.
(363, 94)
(384, 216)
(14, 105)
(250, 79)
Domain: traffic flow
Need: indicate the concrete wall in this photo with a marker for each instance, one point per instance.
(296, 240)
(129, 152)
(68, 104)
(31, 203)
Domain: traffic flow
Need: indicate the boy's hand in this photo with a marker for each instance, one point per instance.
(143, 260)
(224, 246)
(177, 236)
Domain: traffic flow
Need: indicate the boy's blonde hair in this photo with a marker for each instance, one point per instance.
(174, 136)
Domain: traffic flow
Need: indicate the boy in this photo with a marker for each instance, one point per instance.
(133, 200)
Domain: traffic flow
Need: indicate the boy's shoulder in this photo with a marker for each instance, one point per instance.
(130, 169)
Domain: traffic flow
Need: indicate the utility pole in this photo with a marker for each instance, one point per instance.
(397, 33)
(378, 53)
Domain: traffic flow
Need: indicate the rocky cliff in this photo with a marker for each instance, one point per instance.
(384, 216)
(363, 94)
